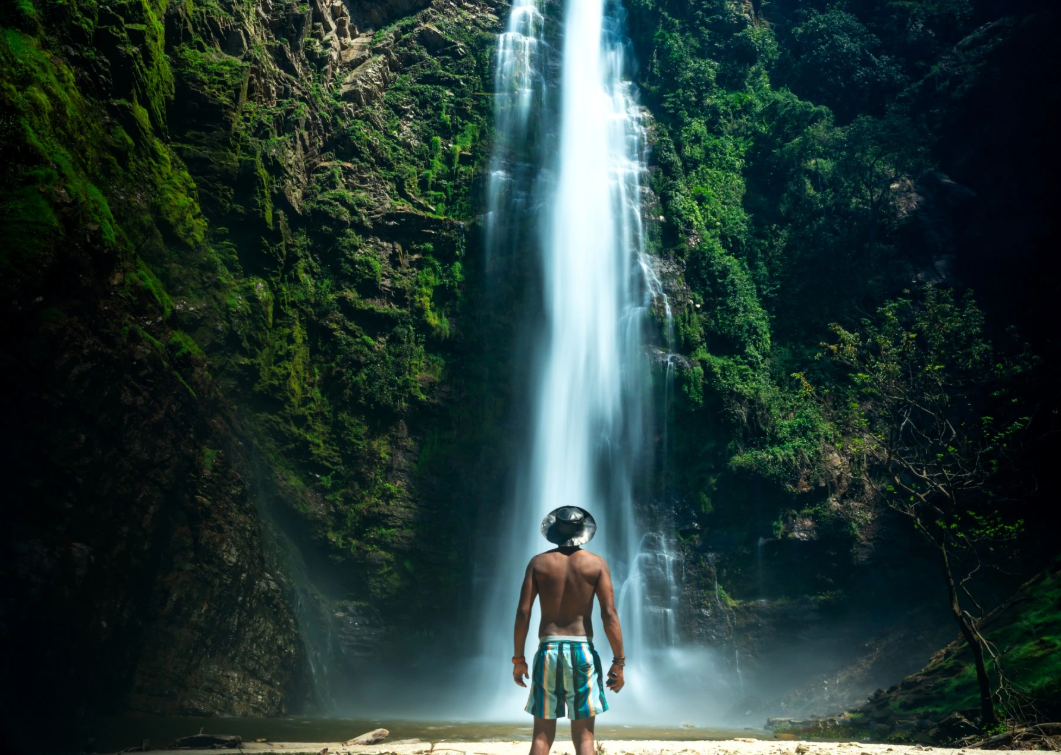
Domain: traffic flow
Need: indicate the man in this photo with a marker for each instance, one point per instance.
(566, 679)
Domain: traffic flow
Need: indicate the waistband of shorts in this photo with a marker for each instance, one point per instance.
(565, 638)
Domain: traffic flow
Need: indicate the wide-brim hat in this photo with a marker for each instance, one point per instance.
(569, 526)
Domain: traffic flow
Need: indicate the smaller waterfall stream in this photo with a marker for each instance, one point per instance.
(518, 87)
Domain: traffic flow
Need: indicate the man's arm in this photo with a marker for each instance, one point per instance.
(527, 594)
(610, 618)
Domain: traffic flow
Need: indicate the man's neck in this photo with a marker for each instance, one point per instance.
(567, 550)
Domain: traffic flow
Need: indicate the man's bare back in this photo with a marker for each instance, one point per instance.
(566, 580)
(566, 585)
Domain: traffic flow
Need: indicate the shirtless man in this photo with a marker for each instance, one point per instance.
(566, 679)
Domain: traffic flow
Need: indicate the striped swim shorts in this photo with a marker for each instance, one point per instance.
(566, 679)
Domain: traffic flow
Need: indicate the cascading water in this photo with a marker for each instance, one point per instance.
(518, 86)
(591, 419)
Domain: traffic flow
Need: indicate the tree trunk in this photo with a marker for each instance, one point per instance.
(987, 707)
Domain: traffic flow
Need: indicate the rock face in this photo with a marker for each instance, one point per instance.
(366, 83)
(209, 429)
(133, 562)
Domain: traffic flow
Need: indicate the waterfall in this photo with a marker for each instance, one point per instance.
(567, 171)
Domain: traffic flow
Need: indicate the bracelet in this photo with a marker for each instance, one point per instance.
(620, 661)
(518, 659)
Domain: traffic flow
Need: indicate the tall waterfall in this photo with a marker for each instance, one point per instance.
(591, 423)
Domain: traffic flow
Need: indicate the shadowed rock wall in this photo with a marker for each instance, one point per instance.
(233, 274)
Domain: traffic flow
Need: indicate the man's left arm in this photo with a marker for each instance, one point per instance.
(527, 594)
(610, 618)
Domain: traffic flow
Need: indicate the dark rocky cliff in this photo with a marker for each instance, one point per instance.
(232, 279)
(134, 568)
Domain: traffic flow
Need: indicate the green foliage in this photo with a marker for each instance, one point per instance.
(733, 318)
(934, 403)
(835, 61)
(791, 140)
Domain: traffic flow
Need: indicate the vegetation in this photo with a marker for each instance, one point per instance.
(805, 155)
(924, 376)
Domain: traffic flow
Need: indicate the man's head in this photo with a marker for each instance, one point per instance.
(569, 526)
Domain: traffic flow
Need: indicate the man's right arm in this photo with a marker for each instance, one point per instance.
(527, 594)
(610, 618)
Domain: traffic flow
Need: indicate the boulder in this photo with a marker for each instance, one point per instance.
(431, 38)
(369, 738)
(366, 83)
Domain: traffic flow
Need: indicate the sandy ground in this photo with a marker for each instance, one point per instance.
(611, 747)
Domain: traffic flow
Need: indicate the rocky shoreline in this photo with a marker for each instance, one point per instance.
(739, 746)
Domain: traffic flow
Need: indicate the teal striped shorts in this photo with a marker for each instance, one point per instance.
(566, 679)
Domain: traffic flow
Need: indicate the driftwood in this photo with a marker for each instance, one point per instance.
(1038, 736)
(369, 737)
(206, 742)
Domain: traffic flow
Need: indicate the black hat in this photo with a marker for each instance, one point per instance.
(569, 526)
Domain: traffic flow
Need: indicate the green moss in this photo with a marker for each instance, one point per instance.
(217, 76)
(100, 214)
(183, 345)
(153, 79)
(26, 221)
(327, 335)
(150, 283)
(150, 340)
(1026, 636)
(264, 191)
(208, 458)
(184, 382)
(55, 135)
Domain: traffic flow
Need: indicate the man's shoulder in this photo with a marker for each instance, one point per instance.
(540, 558)
(590, 557)
(595, 564)
(581, 556)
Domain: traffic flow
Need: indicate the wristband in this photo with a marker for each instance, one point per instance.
(518, 659)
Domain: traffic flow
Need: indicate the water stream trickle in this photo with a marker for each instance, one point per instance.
(518, 87)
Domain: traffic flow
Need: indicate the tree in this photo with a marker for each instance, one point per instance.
(833, 60)
(934, 418)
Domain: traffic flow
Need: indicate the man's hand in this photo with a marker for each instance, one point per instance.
(615, 678)
(520, 672)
